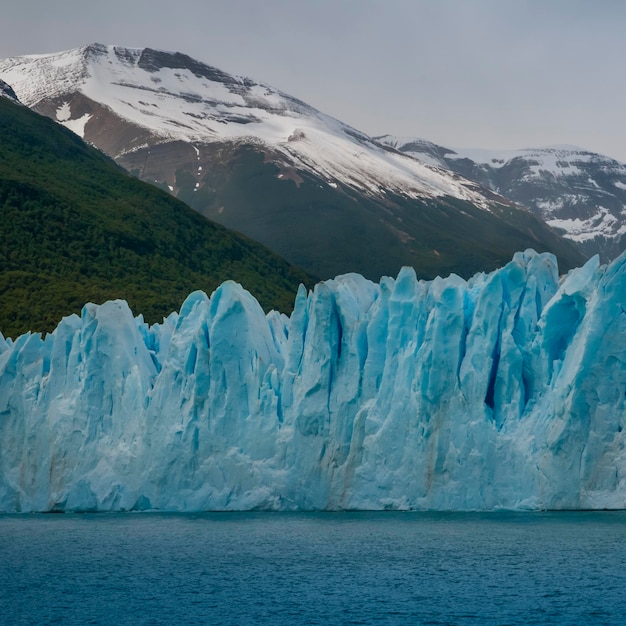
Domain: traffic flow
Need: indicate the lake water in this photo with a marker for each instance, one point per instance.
(322, 568)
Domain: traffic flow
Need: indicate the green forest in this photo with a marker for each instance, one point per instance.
(76, 228)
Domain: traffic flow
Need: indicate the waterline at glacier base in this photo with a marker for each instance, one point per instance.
(504, 391)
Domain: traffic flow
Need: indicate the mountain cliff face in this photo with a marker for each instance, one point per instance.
(579, 193)
(6, 91)
(322, 194)
(505, 391)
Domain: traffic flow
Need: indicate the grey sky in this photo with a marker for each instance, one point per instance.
(462, 73)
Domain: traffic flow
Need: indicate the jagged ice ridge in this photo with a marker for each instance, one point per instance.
(507, 390)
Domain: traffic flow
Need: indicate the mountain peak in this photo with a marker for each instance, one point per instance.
(93, 49)
(193, 129)
(576, 191)
(174, 97)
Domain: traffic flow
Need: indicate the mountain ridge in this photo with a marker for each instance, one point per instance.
(91, 66)
(579, 193)
(322, 194)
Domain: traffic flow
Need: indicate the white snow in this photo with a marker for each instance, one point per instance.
(554, 160)
(602, 223)
(64, 113)
(78, 125)
(64, 116)
(544, 166)
(557, 160)
(175, 104)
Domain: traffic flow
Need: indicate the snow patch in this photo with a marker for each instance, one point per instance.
(602, 223)
(63, 113)
(78, 125)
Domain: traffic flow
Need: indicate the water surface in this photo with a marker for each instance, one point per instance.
(318, 568)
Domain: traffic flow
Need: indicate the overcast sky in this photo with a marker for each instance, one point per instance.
(462, 73)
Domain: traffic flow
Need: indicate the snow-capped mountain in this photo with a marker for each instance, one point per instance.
(260, 161)
(174, 98)
(578, 192)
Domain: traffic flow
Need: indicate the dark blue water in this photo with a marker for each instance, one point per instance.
(334, 568)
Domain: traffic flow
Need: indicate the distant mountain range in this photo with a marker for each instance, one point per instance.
(75, 227)
(323, 195)
(579, 193)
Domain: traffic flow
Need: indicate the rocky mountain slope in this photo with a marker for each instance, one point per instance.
(320, 193)
(580, 193)
(75, 227)
(6, 91)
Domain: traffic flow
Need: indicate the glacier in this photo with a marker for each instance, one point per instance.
(504, 391)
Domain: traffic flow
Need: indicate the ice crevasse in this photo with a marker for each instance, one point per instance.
(504, 391)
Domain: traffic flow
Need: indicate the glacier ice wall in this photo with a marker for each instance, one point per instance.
(508, 390)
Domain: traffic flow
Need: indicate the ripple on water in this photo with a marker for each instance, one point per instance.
(324, 568)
